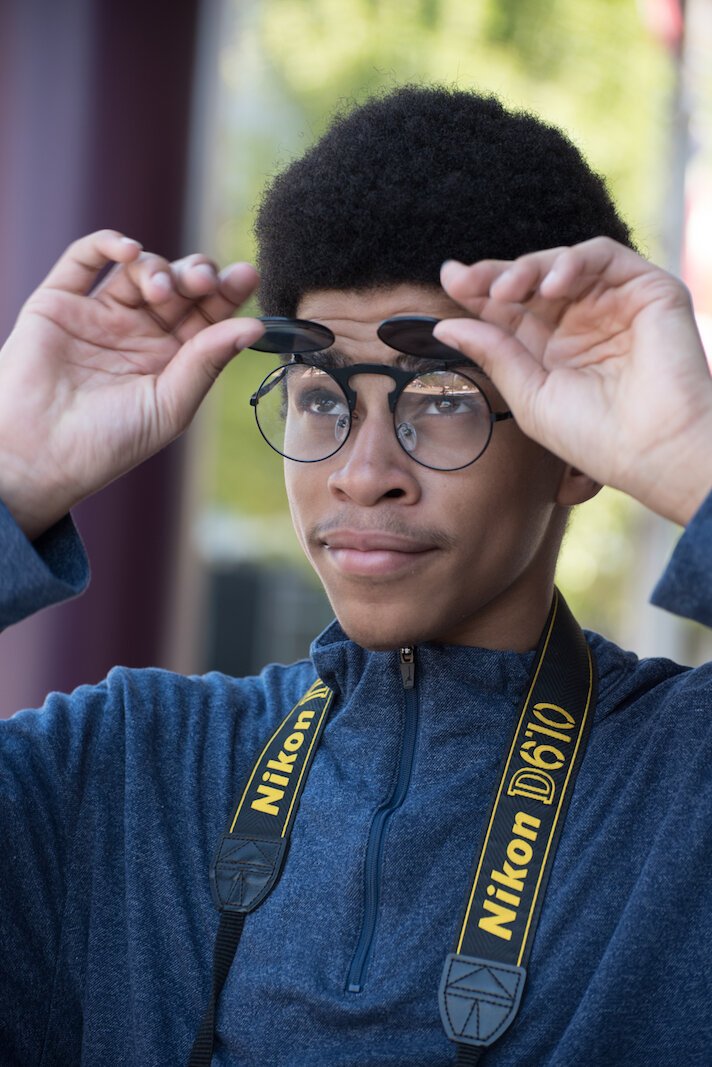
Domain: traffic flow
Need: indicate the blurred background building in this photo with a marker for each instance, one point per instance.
(165, 120)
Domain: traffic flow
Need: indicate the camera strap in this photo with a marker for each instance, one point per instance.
(483, 979)
(251, 851)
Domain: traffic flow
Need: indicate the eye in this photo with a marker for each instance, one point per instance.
(446, 404)
(449, 404)
(321, 402)
(440, 394)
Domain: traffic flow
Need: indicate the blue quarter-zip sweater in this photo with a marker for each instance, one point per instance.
(112, 800)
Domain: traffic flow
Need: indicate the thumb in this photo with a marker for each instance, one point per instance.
(515, 372)
(194, 369)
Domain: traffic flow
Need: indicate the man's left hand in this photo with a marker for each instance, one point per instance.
(597, 353)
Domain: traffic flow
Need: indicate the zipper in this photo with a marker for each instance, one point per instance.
(377, 834)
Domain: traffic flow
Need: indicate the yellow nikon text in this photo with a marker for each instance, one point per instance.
(279, 770)
(507, 886)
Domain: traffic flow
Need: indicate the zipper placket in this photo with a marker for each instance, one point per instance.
(376, 837)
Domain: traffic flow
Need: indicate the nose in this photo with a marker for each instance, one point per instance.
(372, 466)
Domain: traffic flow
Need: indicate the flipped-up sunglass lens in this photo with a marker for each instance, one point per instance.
(285, 336)
(413, 335)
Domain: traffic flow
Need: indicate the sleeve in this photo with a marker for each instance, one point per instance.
(41, 753)
(48, 759)
(34, 575)
(686, 585)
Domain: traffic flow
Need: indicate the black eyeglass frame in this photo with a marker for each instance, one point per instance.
(342, 376)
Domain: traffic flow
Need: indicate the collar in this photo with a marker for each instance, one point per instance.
(342, 664)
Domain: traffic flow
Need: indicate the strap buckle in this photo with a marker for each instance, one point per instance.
(244, 871)
(479, 998)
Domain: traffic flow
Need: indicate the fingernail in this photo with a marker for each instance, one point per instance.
(448, 263)
(504, 276)
(554, 275)
(130, 241)
(253, 330)
(442, 333)
(204, 269)
(162, 280)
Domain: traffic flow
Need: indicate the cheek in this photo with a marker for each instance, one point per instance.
(294, 498)
(523, 467)
(505, 504)
(304, 491)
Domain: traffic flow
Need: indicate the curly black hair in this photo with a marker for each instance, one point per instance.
(417, 176)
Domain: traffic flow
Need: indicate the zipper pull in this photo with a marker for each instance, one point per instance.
(407, 667)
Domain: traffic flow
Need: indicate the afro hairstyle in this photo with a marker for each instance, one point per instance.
(417, 176)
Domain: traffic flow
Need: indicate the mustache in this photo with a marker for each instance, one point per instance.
(388, 524)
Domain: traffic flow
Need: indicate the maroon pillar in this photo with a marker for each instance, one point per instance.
(94, 125)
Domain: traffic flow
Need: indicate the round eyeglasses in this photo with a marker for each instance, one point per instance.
(305, 409)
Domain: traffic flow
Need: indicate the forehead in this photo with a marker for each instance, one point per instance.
(354, 315)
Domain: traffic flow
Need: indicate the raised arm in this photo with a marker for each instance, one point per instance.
(95, 378)
(598, 355)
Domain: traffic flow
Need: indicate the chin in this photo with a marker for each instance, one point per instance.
(379, 636)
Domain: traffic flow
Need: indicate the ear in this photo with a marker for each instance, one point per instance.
(575, 487)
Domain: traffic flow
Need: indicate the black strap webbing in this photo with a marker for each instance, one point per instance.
(468, 1055)
(226, 942)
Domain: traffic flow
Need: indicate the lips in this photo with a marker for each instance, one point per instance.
(374, 541)
(373, 553)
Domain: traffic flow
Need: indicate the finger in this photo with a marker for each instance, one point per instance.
(195, 276)
(502, 279)
(553, 273)
(568, 272)
(78, 268)
(154, 282)
(471, 283)
(190, 295)
(236, 284)
(522, 279)
(196, 366)
(576, 269)
(146, 282)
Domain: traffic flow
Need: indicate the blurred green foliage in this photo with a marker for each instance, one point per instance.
(286, 65)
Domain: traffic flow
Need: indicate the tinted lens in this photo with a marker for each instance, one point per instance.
(413, 335)
(284, 336)
(443, 420)
(302, 413)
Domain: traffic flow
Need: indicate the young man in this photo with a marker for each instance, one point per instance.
(436, 540)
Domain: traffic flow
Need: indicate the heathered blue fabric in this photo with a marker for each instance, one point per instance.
(112, 799)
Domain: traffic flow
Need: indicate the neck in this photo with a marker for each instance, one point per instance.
(511, 621)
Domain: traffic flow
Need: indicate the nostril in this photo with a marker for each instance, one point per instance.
(395, 493)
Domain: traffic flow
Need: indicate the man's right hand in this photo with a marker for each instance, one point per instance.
(93, 383)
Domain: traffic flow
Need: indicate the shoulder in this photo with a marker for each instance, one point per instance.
(652, 698)
(167, 701)
(155, 712)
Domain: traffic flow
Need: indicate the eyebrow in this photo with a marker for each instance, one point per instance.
(327, 357)
(332, 357)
